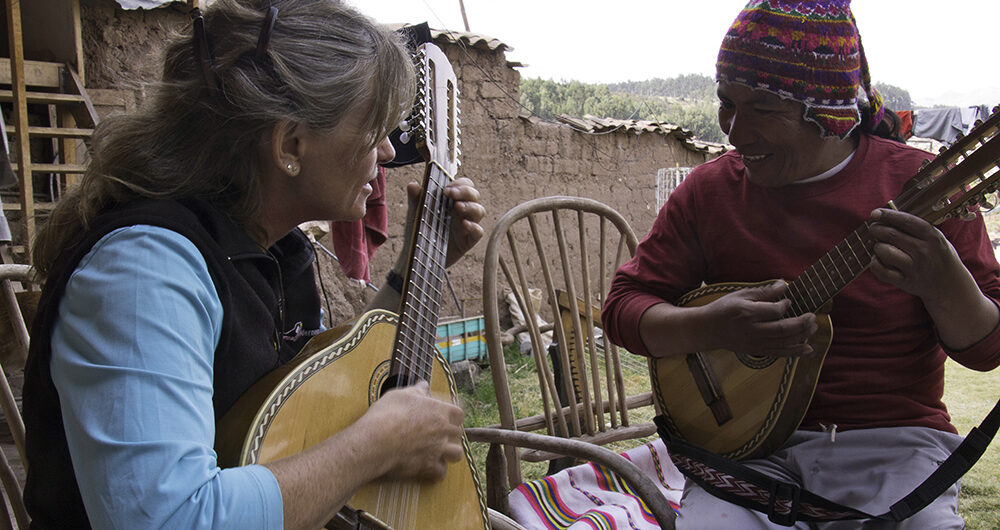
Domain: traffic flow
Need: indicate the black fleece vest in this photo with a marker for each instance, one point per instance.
(268, 298)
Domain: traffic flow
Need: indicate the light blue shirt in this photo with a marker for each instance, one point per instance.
(132, 359)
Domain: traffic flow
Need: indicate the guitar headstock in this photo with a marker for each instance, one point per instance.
(960, 180)
(433, 123)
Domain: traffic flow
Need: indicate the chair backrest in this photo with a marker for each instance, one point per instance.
(567, 249)
(19, 290)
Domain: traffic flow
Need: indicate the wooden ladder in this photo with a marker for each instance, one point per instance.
(52, 117)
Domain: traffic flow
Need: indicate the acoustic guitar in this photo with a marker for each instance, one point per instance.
(746, 406)
(337, 376)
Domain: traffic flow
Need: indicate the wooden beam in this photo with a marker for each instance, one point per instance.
(78, 40)
(16, 69)
(36, 73)
(88, 115)
(67, 145)
(43, 98)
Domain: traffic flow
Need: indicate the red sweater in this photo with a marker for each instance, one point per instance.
(885, 366)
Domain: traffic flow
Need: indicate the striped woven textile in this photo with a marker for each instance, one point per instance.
(589, 496)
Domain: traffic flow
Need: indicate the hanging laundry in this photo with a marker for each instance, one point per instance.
(947, 123)
(944, 124)
(906, 123)
(973, 114)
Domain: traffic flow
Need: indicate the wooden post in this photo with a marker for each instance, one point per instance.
(21, 122)
(465, 19)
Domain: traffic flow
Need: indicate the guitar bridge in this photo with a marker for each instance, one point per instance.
(708, 387)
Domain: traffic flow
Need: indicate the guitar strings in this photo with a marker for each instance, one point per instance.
(417, 334)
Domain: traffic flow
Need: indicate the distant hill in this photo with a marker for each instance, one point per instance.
(695, 87)
(687, 100)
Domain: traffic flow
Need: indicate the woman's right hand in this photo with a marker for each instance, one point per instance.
(420, 433)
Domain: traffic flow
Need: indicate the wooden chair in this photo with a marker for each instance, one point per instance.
(569, 248)
(20, 297)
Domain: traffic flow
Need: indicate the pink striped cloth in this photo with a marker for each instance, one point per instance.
(590, 497)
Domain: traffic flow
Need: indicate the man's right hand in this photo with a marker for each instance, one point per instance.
(751, 321)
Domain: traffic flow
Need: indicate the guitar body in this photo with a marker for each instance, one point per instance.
(736, 405)
(329, 385)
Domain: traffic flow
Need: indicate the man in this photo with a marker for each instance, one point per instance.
(809, 168)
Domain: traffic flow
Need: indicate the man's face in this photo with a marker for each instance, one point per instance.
(777, 144)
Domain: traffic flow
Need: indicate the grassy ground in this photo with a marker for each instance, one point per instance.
(970, 396)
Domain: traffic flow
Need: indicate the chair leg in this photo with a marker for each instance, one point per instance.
(497, 486)
(12, 495)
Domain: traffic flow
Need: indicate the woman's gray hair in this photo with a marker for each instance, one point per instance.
(198, 136)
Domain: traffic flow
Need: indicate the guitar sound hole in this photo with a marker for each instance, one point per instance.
(391, 382)
(756, 362)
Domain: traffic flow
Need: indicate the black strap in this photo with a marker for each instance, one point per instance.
(784, 502)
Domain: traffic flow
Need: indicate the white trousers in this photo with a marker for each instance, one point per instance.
(866, 469)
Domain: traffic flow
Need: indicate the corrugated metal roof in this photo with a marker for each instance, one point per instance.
(594, 125)
(474, 40)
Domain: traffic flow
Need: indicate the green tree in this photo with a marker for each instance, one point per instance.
(687, 101)
(894, 97)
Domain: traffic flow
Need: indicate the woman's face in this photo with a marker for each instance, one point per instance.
(337, 169)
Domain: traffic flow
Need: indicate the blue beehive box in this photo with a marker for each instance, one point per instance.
(462, 339)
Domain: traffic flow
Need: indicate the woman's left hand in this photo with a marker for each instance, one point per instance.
(466, 213)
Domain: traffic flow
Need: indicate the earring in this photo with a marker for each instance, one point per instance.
(292, 168)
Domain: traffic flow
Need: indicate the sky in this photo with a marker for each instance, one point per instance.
(941, 55)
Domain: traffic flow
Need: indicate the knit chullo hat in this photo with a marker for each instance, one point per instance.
(808, 51)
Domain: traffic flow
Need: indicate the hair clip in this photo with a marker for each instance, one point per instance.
(203, 51)
(265, 33)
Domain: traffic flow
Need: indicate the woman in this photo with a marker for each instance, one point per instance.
(176, 278)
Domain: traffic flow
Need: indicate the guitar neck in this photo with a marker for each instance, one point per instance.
(420, 303)
(825, 278)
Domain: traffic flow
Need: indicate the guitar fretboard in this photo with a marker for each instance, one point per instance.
(825, 278)
(421, 298)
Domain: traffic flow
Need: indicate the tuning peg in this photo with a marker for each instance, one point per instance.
(985, 204)
(996, 109)
(967, 215)
(405, 137)
(404, 125)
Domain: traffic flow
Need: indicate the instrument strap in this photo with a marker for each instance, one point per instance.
(785, 502)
